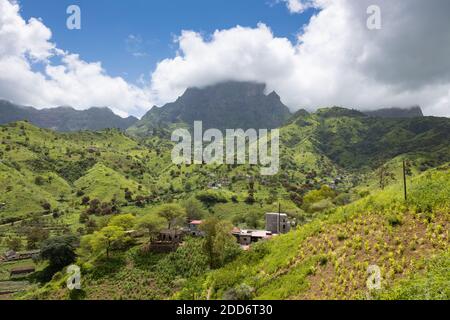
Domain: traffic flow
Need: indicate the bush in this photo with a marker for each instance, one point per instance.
(394, 220)
(243, 293)
(211, 197)
(59, 251)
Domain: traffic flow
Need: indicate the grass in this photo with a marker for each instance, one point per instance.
(318, 262)
(432, 283)
(39, 166)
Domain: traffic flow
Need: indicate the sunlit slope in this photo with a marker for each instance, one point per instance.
(329, 258)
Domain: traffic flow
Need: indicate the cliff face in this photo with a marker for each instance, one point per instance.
(229, 105)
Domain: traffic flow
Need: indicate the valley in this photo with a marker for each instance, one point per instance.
(102, 197)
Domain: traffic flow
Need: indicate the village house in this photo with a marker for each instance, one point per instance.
(168, 240)
(12, 255)
(171, 235)
(247, 237)
(193, 228)
(278, 223)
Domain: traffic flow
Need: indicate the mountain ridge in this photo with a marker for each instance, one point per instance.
(64, 118)
(228, 105)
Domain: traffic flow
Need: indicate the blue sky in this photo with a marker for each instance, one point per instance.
(130, 37)
(337, 60)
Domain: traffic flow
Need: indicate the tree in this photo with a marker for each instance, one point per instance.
(39, 181)
(318, 196)
(124, 221)
(59, 251)
(385, 176)
(46, 206)
(220, 245)
(172, 213)
(85, 201)
(194, 209)
(14, 244)
(211, 197)
(153, 224)
(35, 235)
(104, 239)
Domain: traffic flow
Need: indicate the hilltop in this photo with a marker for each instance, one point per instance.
(64, 118)
(229, 105)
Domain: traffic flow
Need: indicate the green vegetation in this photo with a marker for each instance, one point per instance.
(328, 258)
(100, 198)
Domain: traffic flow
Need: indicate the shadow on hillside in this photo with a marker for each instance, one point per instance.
(105, 267)
(45, 275)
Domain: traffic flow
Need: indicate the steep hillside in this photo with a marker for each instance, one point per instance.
(355, 141)
(64, 118)
(329, 258)
(105, 184)
(55, 184)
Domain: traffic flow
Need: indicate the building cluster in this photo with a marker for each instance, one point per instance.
(12, 255)
(168, 240)
(276, 223)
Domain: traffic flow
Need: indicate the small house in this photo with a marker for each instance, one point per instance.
(247, 237)
(167, 241)
(10, 255)
(171, 235)
(16, 256)
(194, 228)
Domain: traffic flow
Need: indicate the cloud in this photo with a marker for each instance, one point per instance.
(337, 60)
(71, 81)
(135, 46)
(298, 6)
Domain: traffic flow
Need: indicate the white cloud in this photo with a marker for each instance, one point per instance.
(71, 82)
(335, 61)
(298, 6)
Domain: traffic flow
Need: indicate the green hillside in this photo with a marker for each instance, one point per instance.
(328, 258)
(339, 180)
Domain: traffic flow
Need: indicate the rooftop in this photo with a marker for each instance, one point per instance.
(276, 214)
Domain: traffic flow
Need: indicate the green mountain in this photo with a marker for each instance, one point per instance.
(353, 140)
(230, 105)
(54, 184)
(64, 118)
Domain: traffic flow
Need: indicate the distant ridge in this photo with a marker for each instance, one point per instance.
(411, 112)
(64, 118)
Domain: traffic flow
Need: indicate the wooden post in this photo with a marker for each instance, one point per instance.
(404, 180)
(279, 217)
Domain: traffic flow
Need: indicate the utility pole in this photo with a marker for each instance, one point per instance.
(404, 180)
(279, 217)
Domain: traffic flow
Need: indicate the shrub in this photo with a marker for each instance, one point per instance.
(211, 197)
(394, 220)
